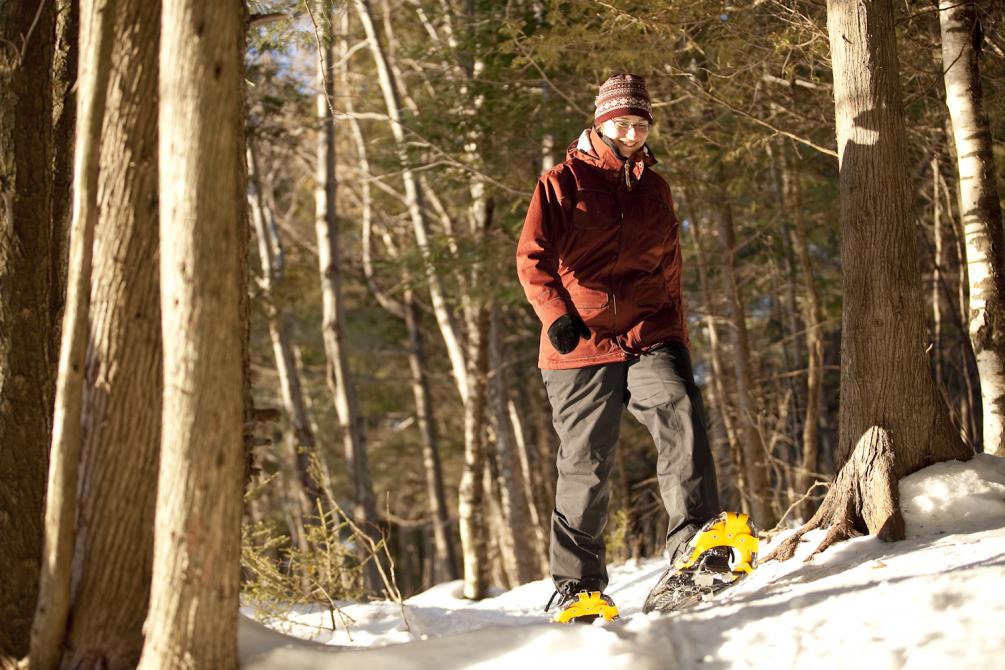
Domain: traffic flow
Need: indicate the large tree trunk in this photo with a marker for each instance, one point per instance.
(885, 432)
(755, 456)
(53, 604)
(333, 306)
(980, 210)
(193, 605)
(122, 393)
(27, 341)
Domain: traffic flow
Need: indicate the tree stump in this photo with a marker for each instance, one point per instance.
(865, 498)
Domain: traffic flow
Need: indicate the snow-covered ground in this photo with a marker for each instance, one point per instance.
(935, 600)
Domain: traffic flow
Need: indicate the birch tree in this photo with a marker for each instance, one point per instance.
(445, 566)
(980, 210)
(469, 359)
(192, 620)
(333, 306)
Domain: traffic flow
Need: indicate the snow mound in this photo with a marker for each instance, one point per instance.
(955, 494)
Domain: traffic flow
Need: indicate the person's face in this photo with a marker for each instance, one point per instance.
(628, 132)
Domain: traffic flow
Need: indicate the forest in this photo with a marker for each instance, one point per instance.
(262, 338)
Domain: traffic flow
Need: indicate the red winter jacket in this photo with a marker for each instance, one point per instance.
(601, 240)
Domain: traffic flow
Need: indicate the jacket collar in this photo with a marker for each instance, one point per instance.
(593, 150)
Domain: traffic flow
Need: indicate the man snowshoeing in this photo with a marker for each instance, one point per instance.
(599, 259)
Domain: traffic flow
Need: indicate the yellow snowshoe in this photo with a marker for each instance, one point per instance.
(586, 607)
(719, 555)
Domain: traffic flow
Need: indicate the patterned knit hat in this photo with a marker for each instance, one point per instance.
(623, 94)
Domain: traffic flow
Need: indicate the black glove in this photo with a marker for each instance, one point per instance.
(564, 334)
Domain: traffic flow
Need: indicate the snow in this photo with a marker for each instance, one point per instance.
(934, 600)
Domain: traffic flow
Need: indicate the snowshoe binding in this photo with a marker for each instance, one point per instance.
(583, 607)
(719, 555)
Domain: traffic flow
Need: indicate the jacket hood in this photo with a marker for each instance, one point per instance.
(593, 150)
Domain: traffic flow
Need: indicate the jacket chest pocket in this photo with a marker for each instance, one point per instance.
(594, 209)
(651, 225)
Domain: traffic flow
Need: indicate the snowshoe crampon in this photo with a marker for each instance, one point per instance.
(587, 607)
(715, 558)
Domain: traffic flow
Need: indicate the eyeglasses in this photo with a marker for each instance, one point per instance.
(641, 126)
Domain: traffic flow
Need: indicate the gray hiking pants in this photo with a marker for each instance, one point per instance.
(658, 389)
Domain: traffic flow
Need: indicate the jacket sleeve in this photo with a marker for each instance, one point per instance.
(536, 252)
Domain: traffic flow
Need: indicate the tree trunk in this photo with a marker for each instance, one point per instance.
(718, 375)
(445, 560)
(193, 605)
(413, 200)
(536, 453)
(531, 479)
(471, 495)
(52, 609)
(884, 433)
(333, 307)
(27, 338)
(303, 443)
(64, 121)
(754, 453)
(476, 307)
(513, 499)
(813, 317)
(446, 554)
(980, 210)
(971, 400)
(122, 393)
(937, 278)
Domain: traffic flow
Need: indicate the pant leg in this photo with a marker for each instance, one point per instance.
(665, 399)
(586, 411)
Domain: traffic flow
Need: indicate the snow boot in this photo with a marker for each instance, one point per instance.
(719, 555)
(583, 607)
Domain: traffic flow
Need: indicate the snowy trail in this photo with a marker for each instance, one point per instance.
(931, 601)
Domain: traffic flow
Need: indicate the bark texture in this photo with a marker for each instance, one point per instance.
(27, 341)
(892, 421)
(64, 121)
(980, 210)
(192, 621)
(471, 492)
(52, 609)
(122, 391)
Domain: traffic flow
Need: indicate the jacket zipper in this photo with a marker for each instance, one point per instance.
(614, 299)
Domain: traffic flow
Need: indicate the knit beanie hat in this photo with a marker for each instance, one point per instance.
(621, 95)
